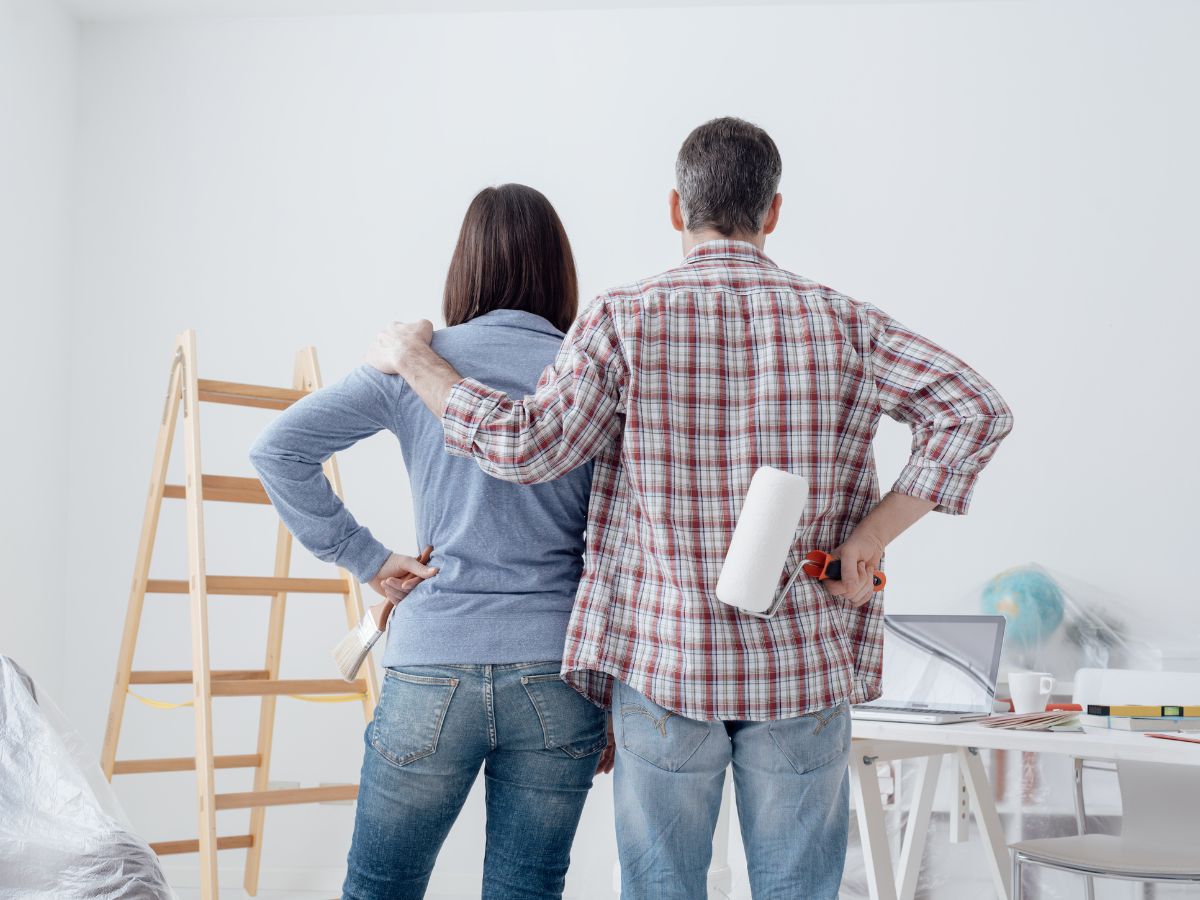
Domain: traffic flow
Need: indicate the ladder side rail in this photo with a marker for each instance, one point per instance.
(201, 668)
(141, 566)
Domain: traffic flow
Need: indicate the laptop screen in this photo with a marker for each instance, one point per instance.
(941, 662)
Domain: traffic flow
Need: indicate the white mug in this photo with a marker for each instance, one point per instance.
(1030, 691)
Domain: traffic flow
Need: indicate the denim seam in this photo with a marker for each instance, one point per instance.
(825, 720)
(479, 667)
(543, 678)
(419, 679)
(659, 723)
(489, 705)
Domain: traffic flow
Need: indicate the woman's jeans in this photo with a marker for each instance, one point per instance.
(790, 777)
(537, 740)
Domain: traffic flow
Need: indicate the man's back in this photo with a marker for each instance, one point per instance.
(679, 387)
(720, 366)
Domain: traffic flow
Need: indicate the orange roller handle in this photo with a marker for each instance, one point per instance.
(821, 566)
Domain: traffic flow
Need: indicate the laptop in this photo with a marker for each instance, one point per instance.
(937, 669)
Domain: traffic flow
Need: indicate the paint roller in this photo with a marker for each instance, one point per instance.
(762, 541)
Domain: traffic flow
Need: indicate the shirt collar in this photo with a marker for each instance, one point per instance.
(743, 251)
(517, 318)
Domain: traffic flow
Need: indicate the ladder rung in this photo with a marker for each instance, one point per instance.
(184, 676)
(259, 688)
(183, 764)
(247, 394)
(223, 488)
(251, 799)
(252, 586)
(232, 842)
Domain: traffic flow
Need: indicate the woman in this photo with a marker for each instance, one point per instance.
(473, 652)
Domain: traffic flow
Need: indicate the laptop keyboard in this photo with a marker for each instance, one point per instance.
(909, 709)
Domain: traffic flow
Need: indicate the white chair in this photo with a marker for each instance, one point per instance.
(1160, 804)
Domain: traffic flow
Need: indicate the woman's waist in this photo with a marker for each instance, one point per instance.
(430, 600)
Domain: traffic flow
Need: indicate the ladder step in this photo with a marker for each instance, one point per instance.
(183, 764)
(232, 842)
(247, 394)
(260, 688)
(252, 799)
(223, 488)
(184, 676)
(252, 586)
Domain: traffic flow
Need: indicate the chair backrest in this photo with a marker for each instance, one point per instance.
(1160, 803)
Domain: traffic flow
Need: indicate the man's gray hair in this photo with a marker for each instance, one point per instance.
(727, 174)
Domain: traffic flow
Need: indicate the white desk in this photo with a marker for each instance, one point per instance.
(875, 741)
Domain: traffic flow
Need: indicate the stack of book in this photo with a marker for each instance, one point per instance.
(1142, 718)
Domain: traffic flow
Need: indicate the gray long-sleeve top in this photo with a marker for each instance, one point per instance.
(510, 556)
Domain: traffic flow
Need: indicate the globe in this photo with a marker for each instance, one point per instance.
(1030, 601)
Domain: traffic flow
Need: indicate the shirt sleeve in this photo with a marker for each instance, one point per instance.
(574, 413)
(288, 457)
(957, 418)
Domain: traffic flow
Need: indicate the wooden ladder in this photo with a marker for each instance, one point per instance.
(188, 391)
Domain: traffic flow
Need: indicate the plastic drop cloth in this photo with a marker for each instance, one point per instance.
(1055, 623)
(62, 833)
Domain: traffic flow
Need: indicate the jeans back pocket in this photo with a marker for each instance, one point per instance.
(409, 717)
(654, 733)
(570, 722)
(814, 740)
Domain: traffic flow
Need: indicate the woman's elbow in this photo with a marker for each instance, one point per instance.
(262, 454)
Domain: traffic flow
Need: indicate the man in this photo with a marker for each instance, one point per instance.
(679, 387)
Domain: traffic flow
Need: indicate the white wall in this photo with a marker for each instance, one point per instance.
(1017, 180)
(37, 107)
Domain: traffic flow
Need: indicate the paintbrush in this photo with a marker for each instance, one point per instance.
(352, 650)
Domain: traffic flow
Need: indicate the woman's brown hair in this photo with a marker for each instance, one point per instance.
(512, 253)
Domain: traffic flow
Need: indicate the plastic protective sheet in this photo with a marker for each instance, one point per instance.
(1058, 624)
(62, 832)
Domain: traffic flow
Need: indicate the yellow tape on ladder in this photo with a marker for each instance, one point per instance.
(307, 698)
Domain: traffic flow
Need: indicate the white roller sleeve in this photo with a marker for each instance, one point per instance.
(762, 540)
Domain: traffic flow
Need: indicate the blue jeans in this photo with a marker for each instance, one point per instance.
(791, 781)
(537, 740)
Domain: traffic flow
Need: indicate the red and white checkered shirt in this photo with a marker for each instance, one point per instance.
(680, 387)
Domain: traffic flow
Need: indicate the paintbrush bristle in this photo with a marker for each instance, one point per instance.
(352, 650)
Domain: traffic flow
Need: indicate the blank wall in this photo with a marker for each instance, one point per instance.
(1016, 180)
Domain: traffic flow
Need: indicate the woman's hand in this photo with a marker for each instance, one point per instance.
(399, 575)
(608, 756)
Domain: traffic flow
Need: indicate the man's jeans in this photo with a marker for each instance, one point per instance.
(537, 740)
(791, 781)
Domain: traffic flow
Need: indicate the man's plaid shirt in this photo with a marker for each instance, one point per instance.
(680, 387)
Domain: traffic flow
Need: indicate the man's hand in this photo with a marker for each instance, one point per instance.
(398, 576)
(608, 755)
(860, 557)
(404, 350)
(861, 552)
(394, 343)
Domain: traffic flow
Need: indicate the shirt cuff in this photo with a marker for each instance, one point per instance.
(363, 556)
(468, 405)
(950, 490)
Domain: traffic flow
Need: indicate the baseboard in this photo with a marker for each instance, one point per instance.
(279, 878)
(442, 886)
(314, 878)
